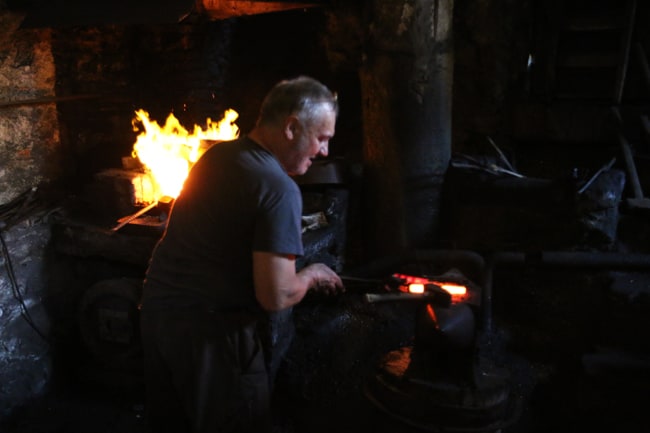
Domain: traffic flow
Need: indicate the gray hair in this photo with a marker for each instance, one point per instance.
(303, 96)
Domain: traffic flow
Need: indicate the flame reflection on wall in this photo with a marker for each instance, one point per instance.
(168, 152)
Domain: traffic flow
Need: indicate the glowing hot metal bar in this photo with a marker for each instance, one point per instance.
(418, 285)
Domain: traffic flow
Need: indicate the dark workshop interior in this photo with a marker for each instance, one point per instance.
(485, 197)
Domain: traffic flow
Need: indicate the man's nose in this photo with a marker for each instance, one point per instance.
(323, 150)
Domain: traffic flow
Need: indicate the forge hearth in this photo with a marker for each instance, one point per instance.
(113, 220)
(107, 236)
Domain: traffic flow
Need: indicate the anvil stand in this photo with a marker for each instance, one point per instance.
(440, 383)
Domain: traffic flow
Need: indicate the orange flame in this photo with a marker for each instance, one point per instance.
(169, 152)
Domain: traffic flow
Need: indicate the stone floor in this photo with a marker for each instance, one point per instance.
(78, 410)
(567, 403)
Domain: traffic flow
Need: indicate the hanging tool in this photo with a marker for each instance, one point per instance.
(602, 170)
(127, 219)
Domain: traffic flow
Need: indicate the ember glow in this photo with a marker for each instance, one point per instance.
(168, 152)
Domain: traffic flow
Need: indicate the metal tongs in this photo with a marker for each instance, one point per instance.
(433, 294)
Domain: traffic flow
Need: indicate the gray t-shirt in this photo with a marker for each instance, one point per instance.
(237, 199)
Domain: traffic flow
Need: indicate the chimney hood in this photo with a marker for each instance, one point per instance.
(62, 13)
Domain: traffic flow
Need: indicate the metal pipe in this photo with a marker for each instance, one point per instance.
(486, 294)
(630, 164)
(573, 259)
(558, 259)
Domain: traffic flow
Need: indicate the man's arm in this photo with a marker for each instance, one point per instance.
(279, 286)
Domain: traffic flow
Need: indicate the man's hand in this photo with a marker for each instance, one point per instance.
(279, 286)
(324, 279)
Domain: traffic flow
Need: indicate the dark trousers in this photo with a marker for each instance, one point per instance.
(204, 372)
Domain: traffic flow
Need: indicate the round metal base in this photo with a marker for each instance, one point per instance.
(482, 403)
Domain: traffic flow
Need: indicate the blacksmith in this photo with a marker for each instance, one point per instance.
(226, 261)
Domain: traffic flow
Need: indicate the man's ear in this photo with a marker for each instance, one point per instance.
(291, 127)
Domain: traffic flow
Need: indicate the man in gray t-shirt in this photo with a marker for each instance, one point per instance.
(226, 261)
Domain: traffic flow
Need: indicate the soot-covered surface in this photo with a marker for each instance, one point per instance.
(338, 347)
(338, 350)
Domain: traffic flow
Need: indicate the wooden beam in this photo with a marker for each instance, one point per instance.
(643, 61)
(223, 9)
(45, 100)
(626, 41)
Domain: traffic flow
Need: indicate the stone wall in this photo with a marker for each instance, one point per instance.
(25, 362)
(29, 158)
(29, 133)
